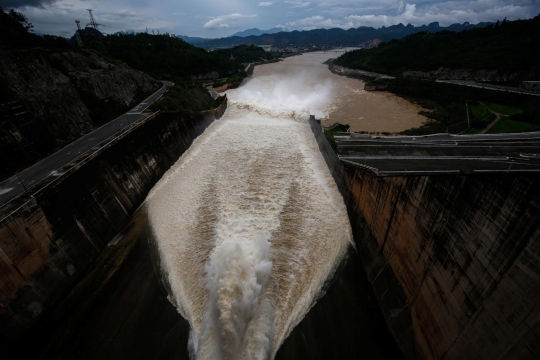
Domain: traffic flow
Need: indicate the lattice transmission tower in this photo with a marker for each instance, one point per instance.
(93, 23)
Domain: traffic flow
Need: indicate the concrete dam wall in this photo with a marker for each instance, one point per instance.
(453, 260)
(48, 241)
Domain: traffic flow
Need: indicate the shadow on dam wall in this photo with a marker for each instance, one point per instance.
(87, 300)
(47, 242)
(454, 261)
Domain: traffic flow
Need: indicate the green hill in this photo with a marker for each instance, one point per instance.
(336, 36)
(162, 56)
(245, 53)
(507, 46)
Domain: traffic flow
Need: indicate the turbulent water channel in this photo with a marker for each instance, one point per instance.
(249, 235)
(249, 222)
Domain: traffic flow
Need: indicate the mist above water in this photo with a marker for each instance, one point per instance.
(297, 93)
(249, 222)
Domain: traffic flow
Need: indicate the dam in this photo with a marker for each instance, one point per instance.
(269, 229)
(266, 245)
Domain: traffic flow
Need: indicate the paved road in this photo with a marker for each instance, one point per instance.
(437, 138)
(11, 187)
(490, 87)
(442, 153)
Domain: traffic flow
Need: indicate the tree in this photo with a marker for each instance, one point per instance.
(20, 19)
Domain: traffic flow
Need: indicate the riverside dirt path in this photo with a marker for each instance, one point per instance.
(498, 117)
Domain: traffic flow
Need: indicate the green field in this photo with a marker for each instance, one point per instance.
(471, 130)
(505, 125)
(480, 113)
(504, 109)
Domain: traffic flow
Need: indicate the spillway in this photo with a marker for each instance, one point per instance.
(249, 223)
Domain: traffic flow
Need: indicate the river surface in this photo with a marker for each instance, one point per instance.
(248, 237)
(347, 101)
(249, 222)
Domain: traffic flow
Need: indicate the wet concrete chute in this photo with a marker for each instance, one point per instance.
(249, 222)
(246, 232)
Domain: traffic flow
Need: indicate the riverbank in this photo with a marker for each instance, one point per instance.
(374, 112)
(444, 103)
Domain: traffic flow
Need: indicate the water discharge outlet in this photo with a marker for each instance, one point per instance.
(249, 222)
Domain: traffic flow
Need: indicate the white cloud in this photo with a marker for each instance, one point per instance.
(56, 16)
(298, 4)
(445, 13)
(411, 15)
(401, 7)
(221, 22)
(316, 22)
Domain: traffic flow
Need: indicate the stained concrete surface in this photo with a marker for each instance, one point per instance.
(119, 310)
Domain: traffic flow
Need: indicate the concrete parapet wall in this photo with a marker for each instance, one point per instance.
(340, 70)
(49, 240)
(453, 260)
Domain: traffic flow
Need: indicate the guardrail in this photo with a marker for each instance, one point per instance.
(74, 164)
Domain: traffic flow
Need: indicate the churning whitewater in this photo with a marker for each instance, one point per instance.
(249, 222)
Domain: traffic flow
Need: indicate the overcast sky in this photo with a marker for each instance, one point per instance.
(219, 18)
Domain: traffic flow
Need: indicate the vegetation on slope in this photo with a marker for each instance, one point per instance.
(168, 57)
(336, 37)
(246, 54)
(41, 129)
(453, 108)
(186, 97)
(506, 46)
(162, 56)
(16, 33)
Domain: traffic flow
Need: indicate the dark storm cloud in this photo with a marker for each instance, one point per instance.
(11, 4)
(211, 18)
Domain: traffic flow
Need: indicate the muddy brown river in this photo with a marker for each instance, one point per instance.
(348, 102)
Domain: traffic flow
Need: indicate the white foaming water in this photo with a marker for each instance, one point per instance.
(297, 94)
(249, 222)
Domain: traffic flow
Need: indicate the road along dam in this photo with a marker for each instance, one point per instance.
(249, 238)
(450, 242)
(48, 239)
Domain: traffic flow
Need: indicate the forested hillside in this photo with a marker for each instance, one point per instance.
(245, 53)
(52, 92)
(336, 37)
(505, 46)
(162, 56)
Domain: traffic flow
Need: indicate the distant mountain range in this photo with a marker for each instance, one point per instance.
(256, 32)
(249, 32)
(189, 39)
(334, 37)
(193, 40)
